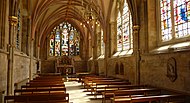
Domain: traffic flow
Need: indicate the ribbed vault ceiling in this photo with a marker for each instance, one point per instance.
(46, 14)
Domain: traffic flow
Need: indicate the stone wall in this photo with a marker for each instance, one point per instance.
(48, 66)
(129, 68)
(101, 67)
(80, 66)
(3, 71)
(154, 71)
(21, 68)
(128, 62)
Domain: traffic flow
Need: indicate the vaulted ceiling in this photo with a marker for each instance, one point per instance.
(46, 14)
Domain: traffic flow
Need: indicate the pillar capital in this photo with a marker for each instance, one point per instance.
(13, 20)
(136, 28)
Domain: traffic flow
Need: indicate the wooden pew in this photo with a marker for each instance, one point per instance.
(88, 80)
(43, 86)
(47, 79)
(108, 91)
(102, 84)
(133, 92)
(45, 83)
(38, 91)
(38, 98)
(43, 89)
(49, 74)
(167, 97)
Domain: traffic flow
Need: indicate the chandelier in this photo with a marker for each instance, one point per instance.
(88, 14)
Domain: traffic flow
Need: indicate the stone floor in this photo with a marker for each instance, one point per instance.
(77, 94)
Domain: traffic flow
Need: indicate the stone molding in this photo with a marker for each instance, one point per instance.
(13, 20)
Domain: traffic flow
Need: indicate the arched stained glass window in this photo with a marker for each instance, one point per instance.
(127, 28)
(124, 30)
(52, 38)
(57, 43)
(119, 33)
(175, 19)
(102, 43)
(18, 30)
(64, 40)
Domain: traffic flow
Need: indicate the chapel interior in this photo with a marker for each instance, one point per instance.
(144, 42)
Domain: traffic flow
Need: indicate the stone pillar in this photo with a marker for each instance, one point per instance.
(38, 60)
(112, 39)
(95, 44)
(137, 51)
(106, 41)
(31, 58)
(10, 77)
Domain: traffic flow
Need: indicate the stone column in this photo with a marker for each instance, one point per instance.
(106, 41)
(95, 44)
(136, 29)
(10, 77)
(31, 58)
(113, 38)
(38, 60)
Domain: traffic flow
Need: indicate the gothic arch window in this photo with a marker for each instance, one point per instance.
(64, 40)
(18, 29)
(174, 23)
(124, 31)
(102, 43)
(119, 32)
(175, 16)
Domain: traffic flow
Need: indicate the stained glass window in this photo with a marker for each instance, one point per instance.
(52, 38)
(127, 26)
(124, 29)
(175, 19)
(18, 30)
(119, 33)
(102, 43)
(64, 41)
(57, 43)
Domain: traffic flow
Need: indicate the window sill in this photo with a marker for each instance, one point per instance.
(123, 53)
(185, 46)
(91, 58)
(101, 57)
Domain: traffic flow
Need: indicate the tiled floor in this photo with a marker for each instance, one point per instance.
(78, 95)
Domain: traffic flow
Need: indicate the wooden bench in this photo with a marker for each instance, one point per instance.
(48, 79)
(45, 83)
(38, 91)
(108, 91)
(43, 86)
(88, 80)
(132, 92)
(38, 98)
(43, 89)
(168, 98)
(97, 88)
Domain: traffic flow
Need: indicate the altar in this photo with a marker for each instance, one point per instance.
(65, 65)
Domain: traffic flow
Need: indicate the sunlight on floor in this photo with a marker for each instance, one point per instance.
(77, 94)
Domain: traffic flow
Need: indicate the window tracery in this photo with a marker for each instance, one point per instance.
(64, 40)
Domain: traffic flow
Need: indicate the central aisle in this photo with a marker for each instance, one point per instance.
(77, 94)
